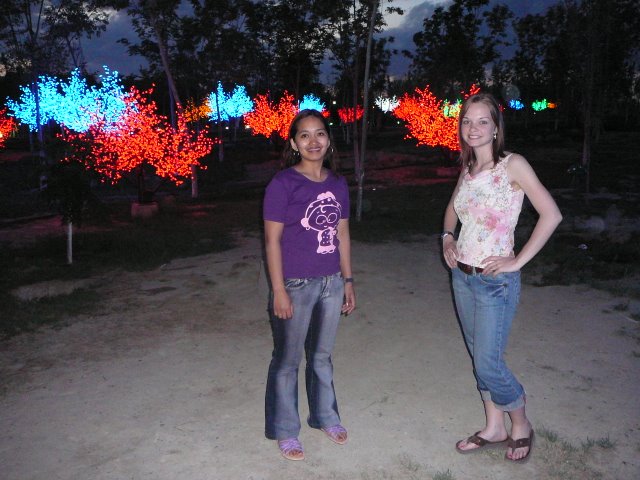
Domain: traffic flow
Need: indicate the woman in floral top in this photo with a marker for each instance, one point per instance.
(485, 269)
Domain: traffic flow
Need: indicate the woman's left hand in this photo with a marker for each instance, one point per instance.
(495, 265)
(349, 304)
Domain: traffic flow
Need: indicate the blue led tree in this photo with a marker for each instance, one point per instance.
(225, 106)
(311, 102)
(72, 104)
(37, 103)
(81, 106)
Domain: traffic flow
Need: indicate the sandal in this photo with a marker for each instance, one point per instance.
(520, 443)
(337, 434)
(482, 444)
(291, 449)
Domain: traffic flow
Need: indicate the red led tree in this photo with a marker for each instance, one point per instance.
(142, 137)
(426, 121)
(7, 126)
(267, 118)
(346, 114)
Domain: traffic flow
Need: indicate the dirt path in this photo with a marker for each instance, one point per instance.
(167, 382)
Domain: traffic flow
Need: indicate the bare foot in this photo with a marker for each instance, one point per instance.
(481, 439)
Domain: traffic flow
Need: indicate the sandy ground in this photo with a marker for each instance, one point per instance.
(167, 380)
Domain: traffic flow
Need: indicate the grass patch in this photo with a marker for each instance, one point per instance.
(605, 443)
(402, 213)
(23, 316)
(117, 243)
(447, 475)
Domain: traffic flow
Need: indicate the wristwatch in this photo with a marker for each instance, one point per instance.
(445, 233)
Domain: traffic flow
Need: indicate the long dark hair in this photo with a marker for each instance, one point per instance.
(467, 155)
(290, 157)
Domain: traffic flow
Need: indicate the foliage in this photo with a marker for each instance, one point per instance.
(69, 190)
(453, 49)
(576, 50)
(268, 119)
(42, 36)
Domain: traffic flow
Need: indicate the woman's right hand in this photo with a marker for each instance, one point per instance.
(282, 306)
(450, 251)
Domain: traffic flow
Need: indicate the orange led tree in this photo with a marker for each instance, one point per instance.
(346, 114)
(7, 126)
(140, 138)
(267, 118)
(424, 116)
(195, 113)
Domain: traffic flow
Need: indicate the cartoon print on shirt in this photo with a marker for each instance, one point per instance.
(323, 215)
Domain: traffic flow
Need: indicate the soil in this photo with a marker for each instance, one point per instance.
(166, 380)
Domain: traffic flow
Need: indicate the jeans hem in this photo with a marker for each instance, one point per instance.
(509, 407)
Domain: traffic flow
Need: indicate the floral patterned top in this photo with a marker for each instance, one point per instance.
(488, 208)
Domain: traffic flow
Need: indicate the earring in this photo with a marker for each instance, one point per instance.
(495, 135)
(296, 154)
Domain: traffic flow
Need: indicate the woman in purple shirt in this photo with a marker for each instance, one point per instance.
(306, 224)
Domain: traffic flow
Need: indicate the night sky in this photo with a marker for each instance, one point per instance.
(106, 51)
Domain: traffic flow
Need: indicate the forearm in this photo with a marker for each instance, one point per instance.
(450, 219)
(274, 263)
(344, 247)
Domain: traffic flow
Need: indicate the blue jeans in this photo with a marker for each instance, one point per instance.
(317, 303)
(486, 306)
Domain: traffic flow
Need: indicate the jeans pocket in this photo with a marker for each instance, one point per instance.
(494, 286)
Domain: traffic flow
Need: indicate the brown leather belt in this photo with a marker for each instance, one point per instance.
(468, 269)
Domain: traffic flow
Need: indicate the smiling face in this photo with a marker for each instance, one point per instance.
(311, 139)
(477, 127)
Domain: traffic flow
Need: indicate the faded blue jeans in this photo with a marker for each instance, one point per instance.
(317, 303)
(486, 306)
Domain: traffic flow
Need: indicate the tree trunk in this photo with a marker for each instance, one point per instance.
(365, 113)
(69, 243)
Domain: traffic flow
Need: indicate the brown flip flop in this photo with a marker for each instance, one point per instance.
(521, 443)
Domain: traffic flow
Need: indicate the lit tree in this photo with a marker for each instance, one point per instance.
(346, 114)
(71, 103)
(39, 37)
(267, 118)
(7, 126)
(195, 112)
(37, 103)
(427, 121)
(79, 105)
(311, 102)
(224, 107)
(387, 104)
(140, 138)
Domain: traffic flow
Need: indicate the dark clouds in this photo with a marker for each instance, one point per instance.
(105, 49)
(416, 11)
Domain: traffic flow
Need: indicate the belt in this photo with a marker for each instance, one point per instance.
(468, 269)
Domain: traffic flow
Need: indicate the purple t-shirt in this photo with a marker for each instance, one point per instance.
(310, 212)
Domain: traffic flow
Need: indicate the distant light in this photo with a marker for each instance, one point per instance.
(516, 104)
(539, 105)
(387, 104)
(451, 109)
